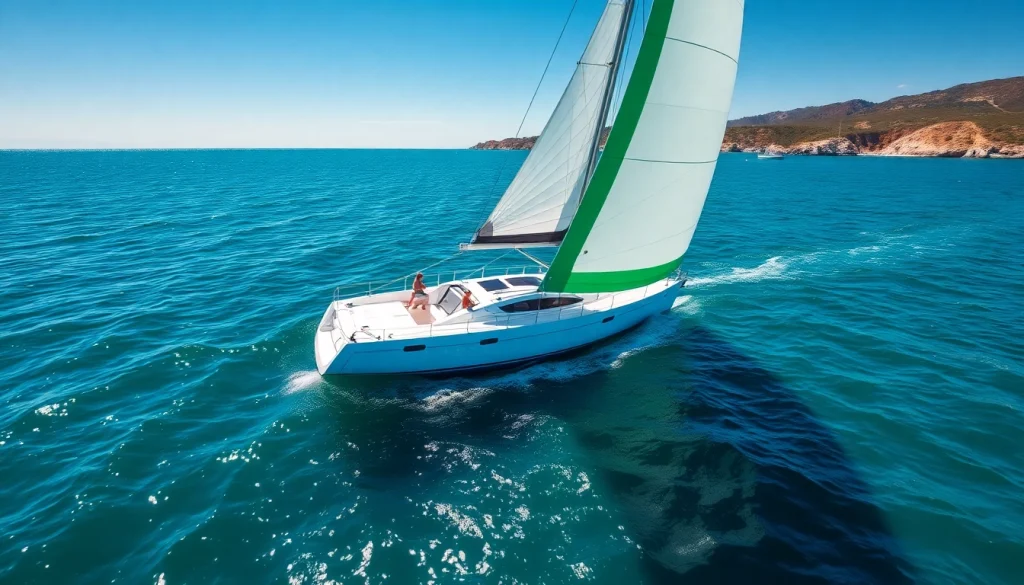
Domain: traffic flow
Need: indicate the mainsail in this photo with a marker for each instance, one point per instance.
(540, 202)
(641, 207)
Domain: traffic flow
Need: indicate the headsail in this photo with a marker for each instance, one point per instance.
(643, 202)
(539, 204)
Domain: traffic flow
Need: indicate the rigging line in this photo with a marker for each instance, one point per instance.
(528, 255)
(483, 268)
(404, 276)
(537, 89)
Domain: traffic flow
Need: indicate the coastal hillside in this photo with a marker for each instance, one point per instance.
(982, 119)
(972, 119)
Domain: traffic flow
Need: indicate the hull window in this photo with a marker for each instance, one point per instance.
(414, 348)
(607, 319)
(490, 341)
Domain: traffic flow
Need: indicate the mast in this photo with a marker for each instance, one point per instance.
(606, 104)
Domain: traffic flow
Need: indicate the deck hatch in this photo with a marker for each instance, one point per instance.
(492, 285)
(522, 280)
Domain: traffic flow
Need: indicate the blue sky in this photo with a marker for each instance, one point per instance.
(413, 73)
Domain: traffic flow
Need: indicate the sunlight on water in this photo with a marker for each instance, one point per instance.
(834, 397)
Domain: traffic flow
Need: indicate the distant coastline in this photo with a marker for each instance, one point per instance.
(973, 120)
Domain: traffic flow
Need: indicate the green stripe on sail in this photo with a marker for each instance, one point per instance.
(558, 278)
(588, 282)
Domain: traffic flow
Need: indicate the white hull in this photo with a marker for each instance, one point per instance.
(480, 344)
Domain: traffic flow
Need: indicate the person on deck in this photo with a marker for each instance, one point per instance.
(419, 296)
(467, 300)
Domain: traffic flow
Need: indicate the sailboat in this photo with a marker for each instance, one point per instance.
(621, 220)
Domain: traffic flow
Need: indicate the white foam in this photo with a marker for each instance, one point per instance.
(680, 301)
(300, 381)
(773, 267)
(448, 398)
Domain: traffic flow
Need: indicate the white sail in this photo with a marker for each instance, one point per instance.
(646, 195)
(540, 202)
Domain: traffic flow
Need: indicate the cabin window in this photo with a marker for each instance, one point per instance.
(492, 285)
(521, 306)
(522, 280)
(556, 302)
(540, 304)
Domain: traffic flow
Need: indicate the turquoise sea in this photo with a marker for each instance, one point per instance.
(838, 397)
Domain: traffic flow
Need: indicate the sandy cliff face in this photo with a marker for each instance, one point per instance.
(948, 139)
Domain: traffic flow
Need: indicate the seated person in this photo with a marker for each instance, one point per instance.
(419, 296)
(467, 300)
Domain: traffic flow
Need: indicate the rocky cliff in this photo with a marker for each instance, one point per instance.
(507, 144)
(980, 119)
(525, 143)
(946, 139)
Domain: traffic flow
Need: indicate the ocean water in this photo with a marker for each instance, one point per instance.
(838, 396)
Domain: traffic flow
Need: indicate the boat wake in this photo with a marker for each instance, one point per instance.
(780, 267)
(304, 380)
(774, 267)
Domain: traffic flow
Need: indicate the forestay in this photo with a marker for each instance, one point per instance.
(540, 202)
(641, 208)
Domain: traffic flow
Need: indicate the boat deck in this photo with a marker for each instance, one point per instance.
(421, 316)
(387, 315)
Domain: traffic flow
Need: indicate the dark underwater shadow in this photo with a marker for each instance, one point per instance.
(722, 474)
(727, 477)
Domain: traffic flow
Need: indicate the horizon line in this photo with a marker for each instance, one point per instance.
(189, 148)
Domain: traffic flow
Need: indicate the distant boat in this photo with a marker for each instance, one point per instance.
(770, 156)
(621, 221)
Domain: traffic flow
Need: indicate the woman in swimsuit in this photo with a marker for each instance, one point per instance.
(419, 296)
